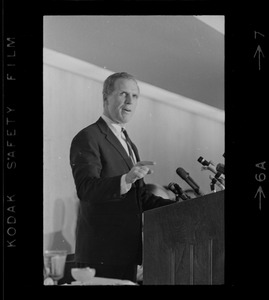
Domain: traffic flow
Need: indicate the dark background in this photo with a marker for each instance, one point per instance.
(245, 135)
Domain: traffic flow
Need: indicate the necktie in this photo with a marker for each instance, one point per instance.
(128, 142)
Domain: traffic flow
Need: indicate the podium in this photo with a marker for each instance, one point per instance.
(184, 242)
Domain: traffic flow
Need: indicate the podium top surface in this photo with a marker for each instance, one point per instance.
(194, 219)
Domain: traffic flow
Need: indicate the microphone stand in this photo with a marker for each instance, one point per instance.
(177, 198)
(212, 187)
(220, 177)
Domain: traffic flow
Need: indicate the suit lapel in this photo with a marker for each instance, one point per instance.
(113, 140)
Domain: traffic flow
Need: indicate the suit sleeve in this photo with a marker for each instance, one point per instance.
(86, 163)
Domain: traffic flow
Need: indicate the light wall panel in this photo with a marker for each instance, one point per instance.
(169, 129)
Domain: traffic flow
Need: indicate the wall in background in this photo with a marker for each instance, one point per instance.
(171, 133)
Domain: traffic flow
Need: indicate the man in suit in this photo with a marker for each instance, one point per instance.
(108, 175)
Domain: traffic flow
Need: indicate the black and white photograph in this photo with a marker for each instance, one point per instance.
(173, 110)
(134, 146)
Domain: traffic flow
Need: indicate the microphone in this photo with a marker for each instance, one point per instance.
(220, 168)
(177, 190)
(219, 177)
(185, 176)
(208, 165)
(215, 181)
(205, 162)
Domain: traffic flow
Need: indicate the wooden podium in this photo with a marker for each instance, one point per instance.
(184, 242)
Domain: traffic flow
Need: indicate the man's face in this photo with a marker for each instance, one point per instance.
(120, 105)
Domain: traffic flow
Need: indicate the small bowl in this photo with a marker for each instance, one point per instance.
(83, 274)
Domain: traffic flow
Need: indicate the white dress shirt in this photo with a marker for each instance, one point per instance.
(117, 130)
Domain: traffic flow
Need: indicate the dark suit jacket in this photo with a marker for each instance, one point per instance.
(109, 224)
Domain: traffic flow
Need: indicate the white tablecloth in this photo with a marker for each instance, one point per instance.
(103, 281)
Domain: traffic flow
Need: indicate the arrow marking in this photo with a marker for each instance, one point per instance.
(260, 192)
(259, 51)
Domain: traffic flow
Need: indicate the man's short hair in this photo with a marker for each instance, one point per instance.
(109, 83)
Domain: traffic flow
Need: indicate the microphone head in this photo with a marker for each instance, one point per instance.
(200, 159)
(171, 187)
(220, 168)
(186, 176)
(174, 187)
(204, 162)
(182, 173)
(177, 190)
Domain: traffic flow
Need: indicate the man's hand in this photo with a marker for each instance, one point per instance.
(139, 171)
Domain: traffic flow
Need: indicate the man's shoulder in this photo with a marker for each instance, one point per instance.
(88, 130)
(92, 130)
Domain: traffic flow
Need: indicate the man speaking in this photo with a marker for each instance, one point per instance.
(108, 175)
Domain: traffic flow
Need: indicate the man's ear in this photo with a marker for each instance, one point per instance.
(105, 101)
(105, 97)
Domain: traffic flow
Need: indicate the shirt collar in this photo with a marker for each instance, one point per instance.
(115, 127)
